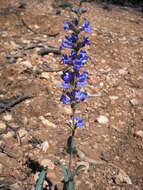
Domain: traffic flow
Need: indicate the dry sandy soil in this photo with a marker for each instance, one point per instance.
(33, 132)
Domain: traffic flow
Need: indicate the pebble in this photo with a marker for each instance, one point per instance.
(139, 134)
(123, 71)
(2, 127)
(22, 133)
(134, 102)
(8, 117)
(47, 162)
(9, 135)
(114, 97)
(45, 75)
(102, 119)
(122, 177)
(27, 64)
(44, 146)
(46, 122)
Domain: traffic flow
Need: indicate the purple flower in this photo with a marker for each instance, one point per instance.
(82, 79)
(67, 25)
(85, 41)
(68, 41)
(64, 99)
(80, 95)
(67, 78)
(80, 60)
(79, 122)
(87, 27)
(68, 59)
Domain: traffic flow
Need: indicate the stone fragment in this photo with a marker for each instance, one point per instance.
(139, 134)
(8, 117)
(9, 135)
(23, 133)
(2, 126)
(45, 75)
(114, 97)
(49, 163)
(44, 146)
(134, 102)
(122, 177)
(102, 119)
(46, 122)
(26, 64)
(123, 71)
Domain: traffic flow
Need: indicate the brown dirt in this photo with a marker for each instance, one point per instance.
(116, 70)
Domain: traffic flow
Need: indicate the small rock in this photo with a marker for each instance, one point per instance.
(1, 168)
(1, 142)
(2, 127)
(27, 64)
(22, 133)
(102, 119)
(9, 135)
(45, 75)
(46, 122)
(7, 117)
(44, 146)
(122, 177)
(49, 163)
(139, 134)
(114, 97)
(134, 102)
(123, 71)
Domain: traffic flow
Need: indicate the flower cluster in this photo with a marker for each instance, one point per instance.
(73, 80)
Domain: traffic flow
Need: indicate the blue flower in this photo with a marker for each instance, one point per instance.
(79, 122)
(67, 78)
(68, 42)
(68, 59)
(82, 79)
(85, 41)
(64, 99)
(80, 95)
(87, 27)
(67, 25)
(80, 60)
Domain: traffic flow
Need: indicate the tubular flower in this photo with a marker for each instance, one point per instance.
(79, 122)
(80, 95)
(86, 26)
(67, 25)
(82, 80)
(68, 42)
(67, 79)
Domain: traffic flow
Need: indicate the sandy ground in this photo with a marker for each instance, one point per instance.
(114, 120)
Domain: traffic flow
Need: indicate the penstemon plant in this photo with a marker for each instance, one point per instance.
(73, 82)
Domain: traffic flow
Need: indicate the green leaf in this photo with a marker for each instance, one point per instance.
(39, 184)
(64, 170)
(71, 146)
(71, 185)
